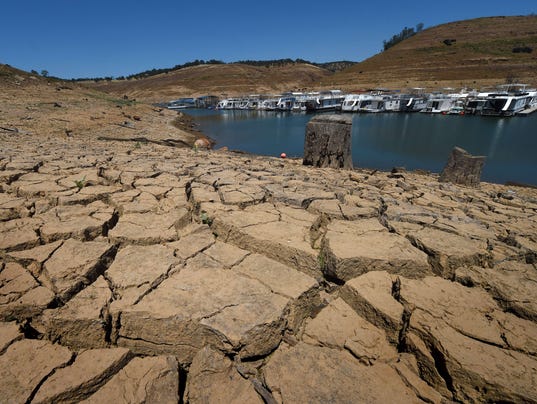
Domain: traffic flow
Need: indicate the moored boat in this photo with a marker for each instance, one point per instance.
(416, 100)
(181, 103)
(229, 103)
(439, 103)
(373, 103)
(269, 104)
(504, 105)
(476, 102)
(325, 101)
(458, 108)
(299, 105)
(351, 102)
(394, 103)
(508, 101)
(285, 103)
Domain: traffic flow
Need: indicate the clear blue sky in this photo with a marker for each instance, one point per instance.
(96, 38)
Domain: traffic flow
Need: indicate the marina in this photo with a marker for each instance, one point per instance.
(504, 101)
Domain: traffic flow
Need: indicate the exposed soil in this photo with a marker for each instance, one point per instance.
(45, 107)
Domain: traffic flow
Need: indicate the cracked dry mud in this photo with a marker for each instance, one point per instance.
(181, 276)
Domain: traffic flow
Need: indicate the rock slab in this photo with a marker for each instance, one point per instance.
(87, 373)
(143, 380)
(209, 373)
(35, 360)
(338, 378)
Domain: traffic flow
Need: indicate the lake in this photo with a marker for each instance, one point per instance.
(384, 141)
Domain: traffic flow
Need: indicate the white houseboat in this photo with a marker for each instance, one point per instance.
(181, 103)
(351, 102)
(229, 103)
(325, 101)
(505, 104)
(373, 103)
(269, 104)
(300, 104)
(475, 102)
(508, 101)
(416, 100)
(285, 103)
(439, 103)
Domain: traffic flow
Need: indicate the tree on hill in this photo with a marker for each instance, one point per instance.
(154, 72)
(332, 66)
(401, 36)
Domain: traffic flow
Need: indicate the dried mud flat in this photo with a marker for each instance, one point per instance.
(137, 272)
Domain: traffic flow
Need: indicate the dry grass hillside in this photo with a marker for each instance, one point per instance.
(480, 54)
(218, 79)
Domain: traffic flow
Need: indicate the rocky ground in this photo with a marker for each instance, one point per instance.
(149, 273)
(136, 271)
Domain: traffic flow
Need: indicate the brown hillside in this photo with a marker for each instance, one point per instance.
(481, 55)
(218, 79)
(32, 105)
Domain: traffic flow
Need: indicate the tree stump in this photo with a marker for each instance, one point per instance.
(328, 142)
(463, 168)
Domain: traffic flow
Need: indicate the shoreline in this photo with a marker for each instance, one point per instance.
(189, 123)
(186, 123)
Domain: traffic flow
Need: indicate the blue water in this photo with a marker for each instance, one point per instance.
(384, 141)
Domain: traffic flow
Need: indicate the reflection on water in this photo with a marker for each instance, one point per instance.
(405, 126)
(383, 141)
(496, 137)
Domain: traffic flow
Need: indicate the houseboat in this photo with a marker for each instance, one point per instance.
(508, 101)
(285, 103)
(181, 103)
(300, 104)
(229, 103)
(416, 100)
(269, 104)
(373, 103)
(458, 108)
(207, 101)
(439, 103)
(394, 103)
(325, 101)
(351, 102)
(475, 103)
(505, 104)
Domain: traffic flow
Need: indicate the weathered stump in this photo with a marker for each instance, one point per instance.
(463, 168)
(328, 142)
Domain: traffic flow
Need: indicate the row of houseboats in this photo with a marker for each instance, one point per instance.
(507, 100)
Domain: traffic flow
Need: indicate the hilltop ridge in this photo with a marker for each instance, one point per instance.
(470, 53)
(218, 79)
